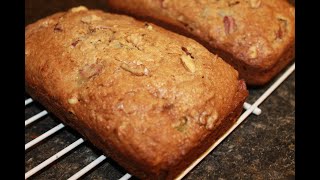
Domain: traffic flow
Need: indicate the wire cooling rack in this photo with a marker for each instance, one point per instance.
(44, 165)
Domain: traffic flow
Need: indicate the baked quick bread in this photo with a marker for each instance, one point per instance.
(151, 99)
(257, 37)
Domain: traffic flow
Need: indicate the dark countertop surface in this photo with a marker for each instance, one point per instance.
(262, 147)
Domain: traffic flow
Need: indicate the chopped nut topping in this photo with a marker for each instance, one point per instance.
(46, 23)
(167, 107)
(148, 26)
(229, 24)
(96, 18)
(74, 43)
(187, 52)
(116, 44)
(202, 119)
(181, 124)
(283, 23)
(120, 106)
(26, 52)
(73, 101)
(206, 12)
(89, 71)
(252, 52)
(86, 19)
(255, 3)
(211, 119)
(188, 63)
(80, 8)
(194, 114)
(222, 13)
(135, 39)
(89, 19)
(208, 119)
(180, 18)
(233, 2)
(164, 3)
(122, 127)
(58, 27)
(102, 27)
(138, 70)
(146, 71)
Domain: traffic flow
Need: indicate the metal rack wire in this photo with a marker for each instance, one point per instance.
(250, 109)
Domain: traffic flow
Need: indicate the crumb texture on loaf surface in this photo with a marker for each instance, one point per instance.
(252, 35)
(140, 93)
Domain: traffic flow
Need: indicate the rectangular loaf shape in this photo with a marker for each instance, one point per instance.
(257, 37)
(150, 99)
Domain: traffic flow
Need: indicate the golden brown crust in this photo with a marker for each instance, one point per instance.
(146, 96)
(254, 35)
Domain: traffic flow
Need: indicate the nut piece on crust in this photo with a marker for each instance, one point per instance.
(188, 63)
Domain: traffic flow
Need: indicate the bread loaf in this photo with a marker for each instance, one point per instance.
(150, 99)
(257, 37)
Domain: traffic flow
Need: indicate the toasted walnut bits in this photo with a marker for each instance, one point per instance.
(181, 125)
(252, 52)
(46, 23)
(74, 43)
(180, 18)
(188, 63)
(58, 27)
(283, 23)
(26, 52)
(207, 119)
(233, 3)
(77, 9)
(148, 26)
(101, 27)
(229, 24)
(115, 44)
(206, 12)
(90, 19)
(255, 3)
(163, 3)
(166, 107)
(88, 71)
(194, 114)
(211, 119)
(73, 100)
(135, 39)
(187, 52)
(137, 69)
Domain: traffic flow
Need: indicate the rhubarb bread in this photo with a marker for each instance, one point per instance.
(257, 37)
(150, 99)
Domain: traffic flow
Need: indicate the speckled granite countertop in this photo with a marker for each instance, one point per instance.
(262, 147)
